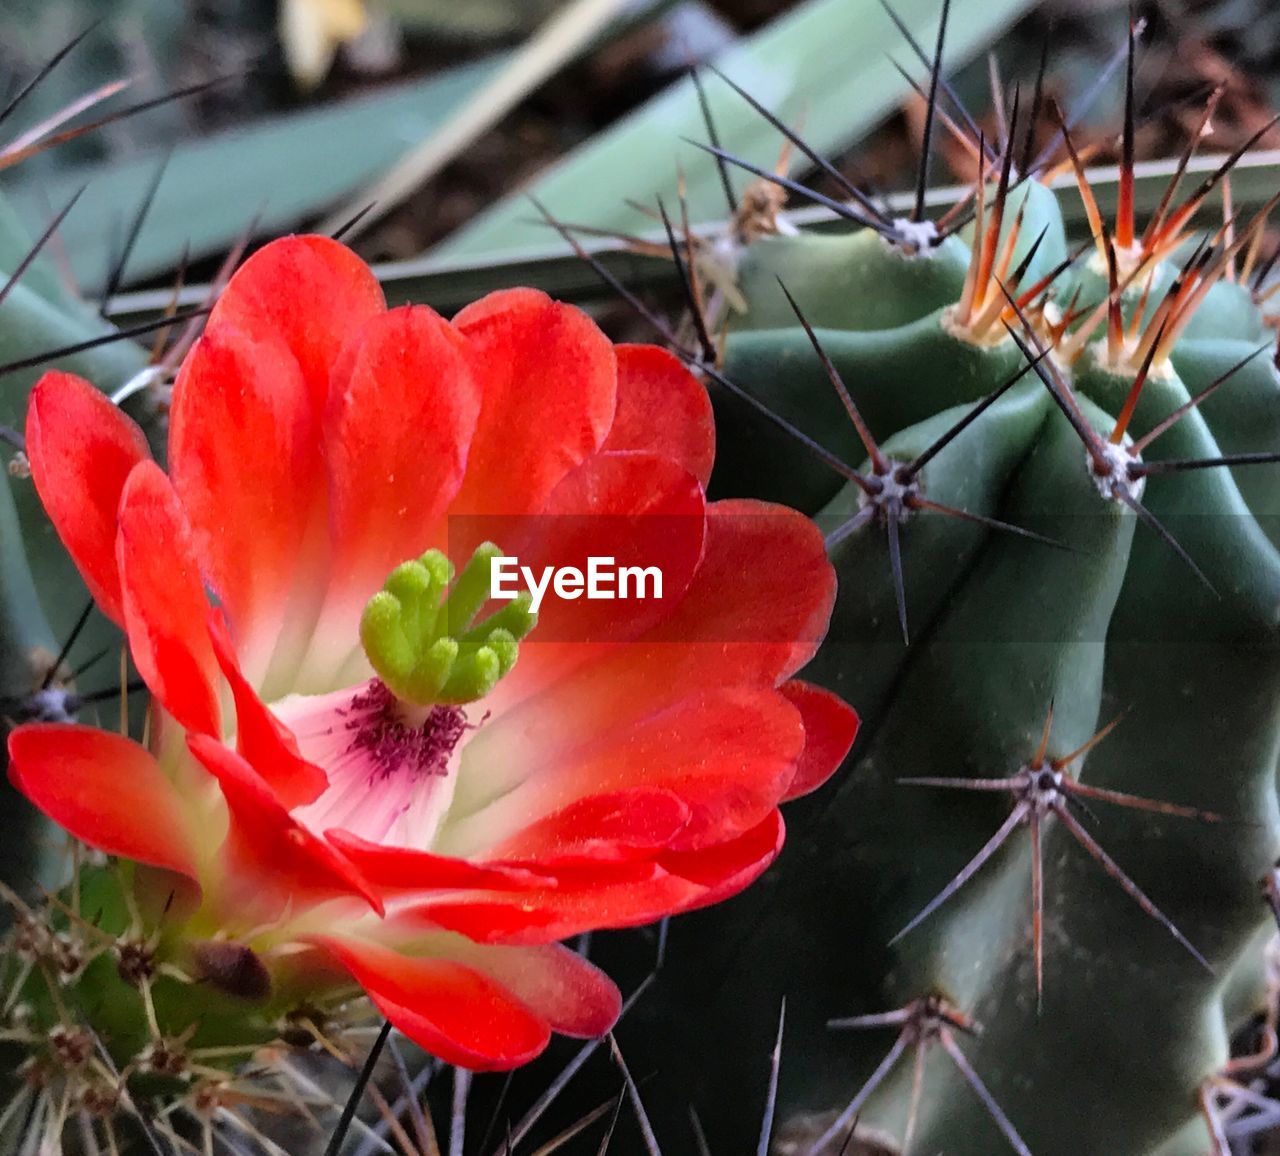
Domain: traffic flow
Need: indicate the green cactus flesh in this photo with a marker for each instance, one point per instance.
(1007, 631)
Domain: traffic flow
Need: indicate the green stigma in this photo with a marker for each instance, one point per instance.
(422, 638)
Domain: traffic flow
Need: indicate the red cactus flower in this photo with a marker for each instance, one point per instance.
(352, 771)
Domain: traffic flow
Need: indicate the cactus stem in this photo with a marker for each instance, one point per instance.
(892, 492)
(1059, 390)
(925, 1021)
(1042, 789)
(912, 468)
(1115, 470)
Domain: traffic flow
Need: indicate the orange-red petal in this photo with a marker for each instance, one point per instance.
(728, 753)
(271, 858)
(573, 996)
(397, 432)
(455, 1012)
(309, 292)
(598, 901)
(662, 409)
(244, 458)
(104, 789)
(165, 606)
(614, 826)
(399, 869)
(549, 379)
(82, 449)
(265, 742)
(830, 726)
(726, 868)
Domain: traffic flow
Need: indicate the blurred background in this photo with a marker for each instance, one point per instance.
(241, 119)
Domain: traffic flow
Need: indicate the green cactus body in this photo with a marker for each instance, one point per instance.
(1005, 630)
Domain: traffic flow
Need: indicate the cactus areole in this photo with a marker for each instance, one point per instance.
(360, 773)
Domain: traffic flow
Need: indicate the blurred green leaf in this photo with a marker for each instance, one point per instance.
(564, 37)
(281, 170)
(134, 40)
(476, 18)
(449, 282)
(826, 62)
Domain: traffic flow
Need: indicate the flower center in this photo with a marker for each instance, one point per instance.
(422, 637)
(391, 745)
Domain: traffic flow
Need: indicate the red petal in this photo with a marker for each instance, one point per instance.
(454, 1012)
(106, 790)
(662, 409)
(549, 379)
(165, 607)
(244, 458)
(635, 508)
(82, 448)
(397, 432)
(755, 611)
(728, 754)
(558, 913)
(262, 739)
(403, 869)
(726, 869)
(612, 827)
(830, 726)
(765, 588)
(271, 858)
(573, 996)
(311, 293)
